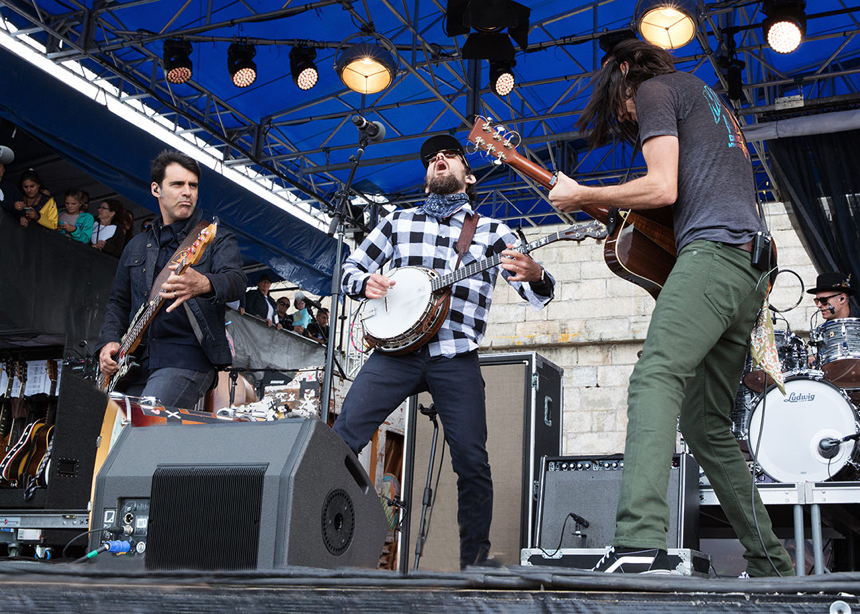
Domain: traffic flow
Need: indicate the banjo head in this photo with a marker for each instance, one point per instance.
(398, 312)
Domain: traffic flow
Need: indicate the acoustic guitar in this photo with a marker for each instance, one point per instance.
(641, 244)
(125, 358)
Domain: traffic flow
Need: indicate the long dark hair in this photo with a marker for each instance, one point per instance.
(610, 89)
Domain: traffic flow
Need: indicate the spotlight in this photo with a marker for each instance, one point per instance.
(241, 65)
(366, 68)
(488, 18)
(305, 73)
(669, 24)
(785, 24)
(177, 63)
(502, 77)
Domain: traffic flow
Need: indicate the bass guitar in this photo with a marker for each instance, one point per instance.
(131, 339)
(412, 311)
(640, 246)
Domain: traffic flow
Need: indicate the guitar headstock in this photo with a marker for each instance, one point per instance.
(192, 255)
(498, 144)
(21, 371)
(578, 232)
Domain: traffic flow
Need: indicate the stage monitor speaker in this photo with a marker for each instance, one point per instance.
(239, 495)
(80, 412)
(524, 410)
(590, 486)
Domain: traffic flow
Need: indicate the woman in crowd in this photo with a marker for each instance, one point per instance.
(74, 220)
(35, 206)
(107, 233)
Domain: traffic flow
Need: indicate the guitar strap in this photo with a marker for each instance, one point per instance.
(165, 272)
(466, 234)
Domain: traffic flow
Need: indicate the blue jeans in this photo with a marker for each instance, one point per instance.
(174, 387)
(458, 393)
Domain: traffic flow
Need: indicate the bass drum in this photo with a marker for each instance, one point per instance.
(795, 424)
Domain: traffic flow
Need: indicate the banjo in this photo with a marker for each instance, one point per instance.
(413, 310)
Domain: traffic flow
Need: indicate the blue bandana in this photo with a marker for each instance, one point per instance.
(444, 205)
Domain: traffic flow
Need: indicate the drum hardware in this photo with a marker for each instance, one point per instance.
(793, 356)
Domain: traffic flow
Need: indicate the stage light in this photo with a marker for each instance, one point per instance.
(177, 63)
(608, 41)
(502, 78)
(240, 64)
(667, 23)
(366, 68)
(488, 18)
(785, 24)
(305, 73)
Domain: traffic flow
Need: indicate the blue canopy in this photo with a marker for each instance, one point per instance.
(118, 154)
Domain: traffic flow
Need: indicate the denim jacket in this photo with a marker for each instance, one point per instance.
(221, 263)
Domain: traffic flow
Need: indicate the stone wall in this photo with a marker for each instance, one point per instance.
(597, 324)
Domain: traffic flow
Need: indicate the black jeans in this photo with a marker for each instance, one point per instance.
(458, 392)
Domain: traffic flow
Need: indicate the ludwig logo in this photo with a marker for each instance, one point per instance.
(799, 397)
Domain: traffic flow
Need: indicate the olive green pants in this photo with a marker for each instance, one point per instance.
(691, 366)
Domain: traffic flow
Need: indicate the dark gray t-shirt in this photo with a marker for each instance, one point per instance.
(716, 193)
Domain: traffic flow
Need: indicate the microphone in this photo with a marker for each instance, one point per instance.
(579, 520)
(6, 155)
(375, 131)
(832, 308)
(828, 447)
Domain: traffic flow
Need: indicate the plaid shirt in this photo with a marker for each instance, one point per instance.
(413, 238)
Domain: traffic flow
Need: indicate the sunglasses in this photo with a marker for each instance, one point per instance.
(447, 153)
(824, 299)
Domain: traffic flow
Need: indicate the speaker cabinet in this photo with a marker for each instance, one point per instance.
(590, 486)
(258, 495)
(524, 403)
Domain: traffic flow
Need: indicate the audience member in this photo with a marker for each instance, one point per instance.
(107, 235)
(6, 199)
(301, 317)
(258, 302)
(75, 222)
(318, 329)
(282, 320)
(128, 225)
(36, 205)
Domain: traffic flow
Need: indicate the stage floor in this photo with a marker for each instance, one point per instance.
(30, 586)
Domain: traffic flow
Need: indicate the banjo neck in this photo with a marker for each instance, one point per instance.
(577, 232)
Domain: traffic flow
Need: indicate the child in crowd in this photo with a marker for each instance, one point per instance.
(74, 220)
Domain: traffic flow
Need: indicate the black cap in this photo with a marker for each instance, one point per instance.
(435, 144)
(264, 277)
(834, 281)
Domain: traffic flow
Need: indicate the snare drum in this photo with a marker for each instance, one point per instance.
(796, 423)
(839, 351)
(792, 356)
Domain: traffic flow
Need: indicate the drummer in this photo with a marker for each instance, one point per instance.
(831, 298)
(831, 295)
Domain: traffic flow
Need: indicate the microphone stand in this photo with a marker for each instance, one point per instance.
(338, 217)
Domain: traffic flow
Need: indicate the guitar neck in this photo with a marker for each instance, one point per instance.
(487, 263)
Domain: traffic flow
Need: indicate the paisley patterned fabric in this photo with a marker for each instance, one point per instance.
(763, 348)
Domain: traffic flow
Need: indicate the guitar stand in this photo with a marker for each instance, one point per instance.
(427, 500)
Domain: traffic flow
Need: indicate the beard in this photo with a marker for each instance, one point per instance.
(445, 184)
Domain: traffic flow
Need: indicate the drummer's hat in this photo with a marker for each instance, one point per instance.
(833, 281)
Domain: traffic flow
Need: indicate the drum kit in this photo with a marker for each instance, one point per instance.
(792, 436)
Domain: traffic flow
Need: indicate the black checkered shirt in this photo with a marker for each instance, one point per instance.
(412, 238)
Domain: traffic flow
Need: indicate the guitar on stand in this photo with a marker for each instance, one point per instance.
(6, 405)
(10, 463)
(126, 360)
(640, 246)
(35, 474)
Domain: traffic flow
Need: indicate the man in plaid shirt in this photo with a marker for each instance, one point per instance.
(448, 366)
